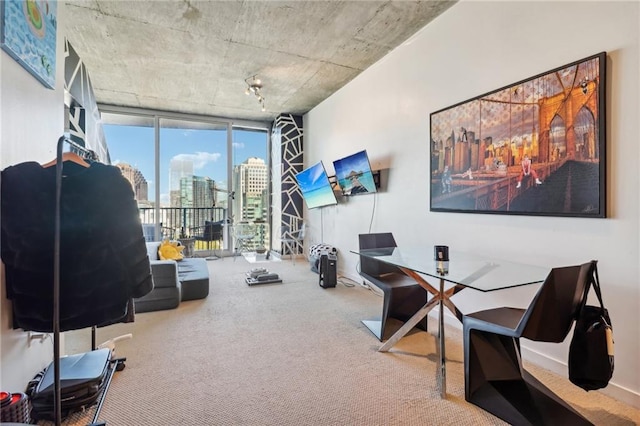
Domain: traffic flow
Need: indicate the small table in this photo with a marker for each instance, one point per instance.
(463, 270)
(188, 243)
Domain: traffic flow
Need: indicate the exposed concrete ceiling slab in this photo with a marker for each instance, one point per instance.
(194, 56)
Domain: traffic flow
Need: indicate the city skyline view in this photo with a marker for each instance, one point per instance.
(205, 149)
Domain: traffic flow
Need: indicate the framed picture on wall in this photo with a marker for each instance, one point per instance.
(535, 147)
(28, 35)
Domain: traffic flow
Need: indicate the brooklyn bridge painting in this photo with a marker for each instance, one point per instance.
(536, 147)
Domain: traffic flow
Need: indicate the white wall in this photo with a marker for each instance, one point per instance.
(474, 48)
(31, 121)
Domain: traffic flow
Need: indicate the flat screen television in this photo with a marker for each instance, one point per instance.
(315, 186)
(354, 174)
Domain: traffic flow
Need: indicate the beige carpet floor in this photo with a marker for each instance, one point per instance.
(291, 354)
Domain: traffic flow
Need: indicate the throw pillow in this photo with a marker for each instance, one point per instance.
(170, 250)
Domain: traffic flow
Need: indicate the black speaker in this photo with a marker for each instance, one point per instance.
(328, 271)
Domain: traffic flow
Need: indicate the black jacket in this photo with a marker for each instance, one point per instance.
(103, 257)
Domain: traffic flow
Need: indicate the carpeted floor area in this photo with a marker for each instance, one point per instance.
(294, 354)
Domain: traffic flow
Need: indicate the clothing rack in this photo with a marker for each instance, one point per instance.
(57, 408)
(90, 155)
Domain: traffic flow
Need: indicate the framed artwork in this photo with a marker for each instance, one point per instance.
(535, 147)
(28, 35)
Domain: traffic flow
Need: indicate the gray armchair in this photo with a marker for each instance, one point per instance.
(167, 290)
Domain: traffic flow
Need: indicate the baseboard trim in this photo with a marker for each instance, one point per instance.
(560, 368)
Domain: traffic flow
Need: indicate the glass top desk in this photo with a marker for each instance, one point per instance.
(464, 270)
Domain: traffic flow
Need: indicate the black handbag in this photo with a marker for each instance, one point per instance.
(591, 351)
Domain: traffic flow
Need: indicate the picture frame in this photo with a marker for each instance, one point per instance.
(28, 34)
(535, 147)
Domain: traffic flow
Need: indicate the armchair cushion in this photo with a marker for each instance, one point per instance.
(193, 274)
(167, 291)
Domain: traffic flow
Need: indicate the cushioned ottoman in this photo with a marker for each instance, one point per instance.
(193, 274)
(166, 293)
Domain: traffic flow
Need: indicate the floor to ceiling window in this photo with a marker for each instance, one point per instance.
(188, 171)
(193, 178)
(131, 142)
(251, 188)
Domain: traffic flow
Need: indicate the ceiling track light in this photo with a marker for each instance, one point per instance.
(254, 85)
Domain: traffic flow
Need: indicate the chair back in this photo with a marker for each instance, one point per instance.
(554, 308)
(212, 231)
(244, 230)
(373, 267)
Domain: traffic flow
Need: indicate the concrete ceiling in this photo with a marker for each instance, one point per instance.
(194, 56)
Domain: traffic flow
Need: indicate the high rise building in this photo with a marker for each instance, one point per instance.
(137, 181)
(250, 185)
(197, 192)
(178, 169)
(196, 200)
(250, 202)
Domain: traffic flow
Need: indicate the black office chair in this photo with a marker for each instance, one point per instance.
(210, 232)
(494, 377)
(402, 295)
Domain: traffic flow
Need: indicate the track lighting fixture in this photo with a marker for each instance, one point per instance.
(254, 85)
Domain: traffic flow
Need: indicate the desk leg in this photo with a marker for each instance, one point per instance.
(442, 299)
(408, 326)
(441, 360)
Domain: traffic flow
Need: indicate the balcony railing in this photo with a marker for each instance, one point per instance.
(177, 223)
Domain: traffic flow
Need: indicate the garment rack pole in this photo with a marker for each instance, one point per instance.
(56, 278)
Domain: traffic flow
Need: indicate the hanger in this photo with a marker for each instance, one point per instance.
(68, 156)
